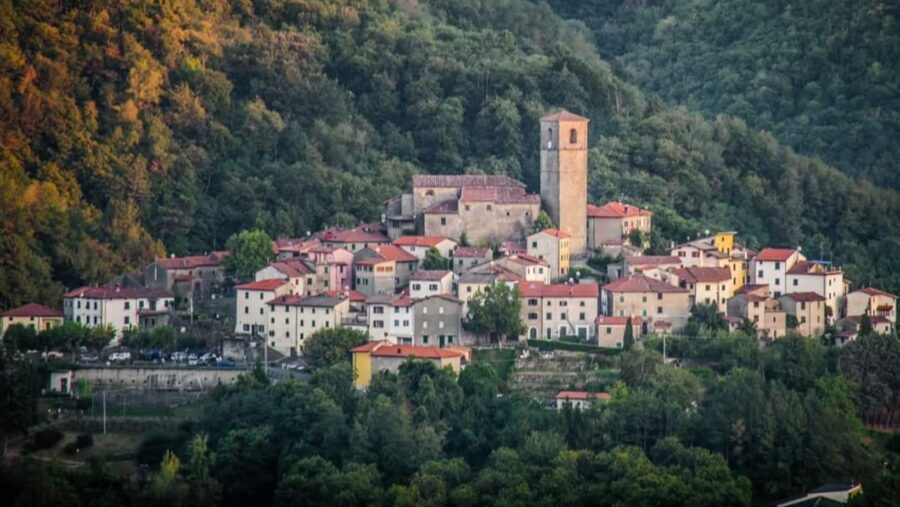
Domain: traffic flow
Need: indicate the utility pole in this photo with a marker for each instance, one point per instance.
(104, 412)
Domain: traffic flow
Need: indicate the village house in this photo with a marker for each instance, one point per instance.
(288, 248)
(880, 324)
(662, 307)
(872, 301)
(299, 273)
(578, 400)
(611, 330)
(808, 308)
(185, 275)
(118, 307)
(38, 317)
(430, 282)
(770, 267)
(551, 245)
(822, 278)
(437, 321)
(390, 318)
(354, 239)
(717, 251)
(402, 263)
(559, 310)
(471, 283)
(251, 302)
(707, 285)
(379, 356)
(529, 268)
(464, 258)
(375, 275)
(420, 245)
(754, 303)
(614, 222)
(293, 319)
(333, 267)
(640, 264)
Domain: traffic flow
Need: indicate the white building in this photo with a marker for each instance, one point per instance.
(419, 245)
(293, 319)
(119, 307)
(299, 273)
(390, 317)
(771, 266)
(823, 279)
(251, 302)
(430, 282)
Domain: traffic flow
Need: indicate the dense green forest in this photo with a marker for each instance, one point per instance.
(766, 425)
(133, 129)
(823, 76)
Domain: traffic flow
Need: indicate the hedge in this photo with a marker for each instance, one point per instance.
(572, 346)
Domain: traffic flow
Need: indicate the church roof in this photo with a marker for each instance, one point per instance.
(564, 116)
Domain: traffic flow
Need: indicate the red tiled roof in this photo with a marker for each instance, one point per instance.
(810, 268)
(470, 252)
(262, 285)
(395, 253)
(352, 295)
(525, 259)
(605, 320)
(365, 233)
(464, 180)
(446, 297)
(321, 300)
(370, 346)
(190, 262)
(428, 275)
(448, 207)
(298, 245)
(499, 195)
(581, 395)
(564, 116)
(415, 351)
(403, 301)
(640, 283)
(117, 293)
(775, 254)
(651, 260)
(428, 241)
(616, 210)
(32, 310)
(293, 268)
(559, 290)
(807, 297)
(556, 233)
(872, 291)
(512, 247)
(750, 287)
(703, 275)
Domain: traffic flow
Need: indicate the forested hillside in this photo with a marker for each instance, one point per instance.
(822, 75)
(130, 129)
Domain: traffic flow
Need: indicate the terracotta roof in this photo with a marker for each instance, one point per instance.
(470, 252)
(352, 295)
(640, 283)
(812, 268)
(606, 320)
(512, 247)
(874, 319)
(403, 301)
(370, 346)
(262, 285)
(118, 293)
(703, 275)
(872, 291)
(318, 301)
(395, 253)
(499, 195)
(556, 233)
(294, 244)
(616, 210)
(564, 116)
(190, 262)
(428, 241)
(581, 395)
(428, 275)
(293, 267)
(32, 310)
(415, 351)
(448, 207)
(775, 254)
(447, 297)
(559, 290)
(807, 297)
(464, 180)
(748, 288)
(525, 259)
(365, 233)
(651, 260)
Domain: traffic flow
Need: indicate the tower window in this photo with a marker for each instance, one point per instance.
(573, 136)
(549, 138)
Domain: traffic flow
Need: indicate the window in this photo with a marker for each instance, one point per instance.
(532, 302)
(532, 316)
(534, 244)
(469, 289)
(433, 286)
(127, 305)
(443, 220)
(573, 136)
(581, 316)
(659, 310)
(643, 299)
(261, 311)
(127, 320)
(609, 330)
(378, 309)
(659, 296)
(777, 266)
(246, 310)
(759, 274)
(563, 316)
(416, 286)
(549, 315)
(467, 207)
(246, 327)
(489, 207)
(425, 339)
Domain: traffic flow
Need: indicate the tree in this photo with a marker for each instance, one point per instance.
(495, 312)
(18, 387)
(705, 316)
(434, 260)
(332, 345)
(21, 337)
(636, 238)
(865, 325)
(464, 239)
(250, 251)
(628, 340)
(204, 490)
(543, 221)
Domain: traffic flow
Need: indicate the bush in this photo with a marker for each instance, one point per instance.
(71, 448)
(47, 438)
(84, 441)
(152, 449)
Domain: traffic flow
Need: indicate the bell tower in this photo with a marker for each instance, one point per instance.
(564, 152)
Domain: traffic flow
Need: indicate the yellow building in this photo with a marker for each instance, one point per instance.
(31, 315)
(377, 356)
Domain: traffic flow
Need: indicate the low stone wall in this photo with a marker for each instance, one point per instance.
(157, 378)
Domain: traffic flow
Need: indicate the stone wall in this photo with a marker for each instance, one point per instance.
(157, 377)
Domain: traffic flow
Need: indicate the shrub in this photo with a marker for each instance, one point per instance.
(47, 438)
(152, 449)
(86, 440)
(71, 448)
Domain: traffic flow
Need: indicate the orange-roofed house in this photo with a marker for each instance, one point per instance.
(707, 285)
(252, 316)
(611, 330)
(663, 307)
(552, 311)
(299, 273)
(551, 245)
(378, 356)
(872, 301)
(354, 239)
(754, 303)
(771, 266)
(383, 269)
(419, 245)
(809, 310)
(184, 274)
(578, 400)
(38, 317)
(614, 222)
(822, 278)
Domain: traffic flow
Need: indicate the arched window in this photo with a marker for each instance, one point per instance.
(573, 136)
(533, 333)
(549, 138)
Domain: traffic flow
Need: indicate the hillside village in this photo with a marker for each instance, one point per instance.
(409, 280)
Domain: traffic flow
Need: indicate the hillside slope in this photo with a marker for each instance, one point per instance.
(129, 130)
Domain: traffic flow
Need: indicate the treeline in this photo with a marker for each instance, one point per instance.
(821, 75)
(129, 129)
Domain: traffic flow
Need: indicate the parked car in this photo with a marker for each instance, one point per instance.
(179, 356)
(226, 362)
(88, 357)
(52, 355)
(120, 356)
(193, 359)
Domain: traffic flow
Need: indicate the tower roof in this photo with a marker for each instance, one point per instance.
(564, 116)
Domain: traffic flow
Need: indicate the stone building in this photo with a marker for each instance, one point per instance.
(564, 156)
(437, 321)
(613, 222)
